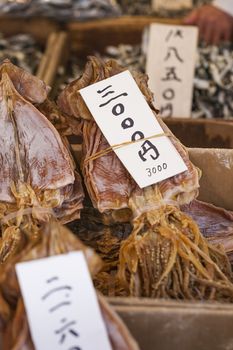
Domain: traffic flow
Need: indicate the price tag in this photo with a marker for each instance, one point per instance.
(171, 60)
(123, 115)
(171, 5)
(61, 304)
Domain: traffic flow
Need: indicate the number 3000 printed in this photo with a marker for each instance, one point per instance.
(156, 169)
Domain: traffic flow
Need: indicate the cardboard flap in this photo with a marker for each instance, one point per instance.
(216, 184)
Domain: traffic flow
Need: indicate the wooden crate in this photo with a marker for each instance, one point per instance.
(52, 57)
(88, 37)
(167, 325)
(47, 35)
(96, 35)
(202, 133)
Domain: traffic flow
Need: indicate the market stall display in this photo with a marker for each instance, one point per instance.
(165, 255)
(54, 239)
(36, 168)
(61, 10)
(213, 82)
(160, 256)
(22, 49)
(144, 7)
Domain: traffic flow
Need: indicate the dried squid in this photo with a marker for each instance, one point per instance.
(216, 224)
(54, 239)
(36, 168)
(165, 255)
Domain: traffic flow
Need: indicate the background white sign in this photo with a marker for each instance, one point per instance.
(61, 304)
(171, 5)
(170, 65)
(122, 112)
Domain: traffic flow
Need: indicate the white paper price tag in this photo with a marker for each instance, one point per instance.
(61, 304)
(171, 60)
(123, 115)
(171, 5)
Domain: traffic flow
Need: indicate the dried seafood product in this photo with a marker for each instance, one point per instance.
(54, 239)
(166, 254)
(144, 7)
(106, 241)
(216, 224)
(213, 81)
(36, 168)
(60, 10)
(22, 50)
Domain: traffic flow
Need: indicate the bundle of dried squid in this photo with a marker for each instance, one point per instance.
(54, 239)
(165, 255)
(36, 169)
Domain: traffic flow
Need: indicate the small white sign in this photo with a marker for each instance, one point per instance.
(61, 304)
(123, 115)
(170, 65)
(171, 5)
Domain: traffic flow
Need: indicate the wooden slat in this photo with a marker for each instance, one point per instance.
(96, 35)
(52, 58)
(39, 28)
(46, 56)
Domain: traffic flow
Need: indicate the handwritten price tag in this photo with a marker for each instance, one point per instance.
(123, 115)
(61, 304)
(170, 65)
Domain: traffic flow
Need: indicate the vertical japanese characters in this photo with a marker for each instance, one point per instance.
(171, 72)
(66, 327)
(118, 110)
(170, 66)
(132, 130)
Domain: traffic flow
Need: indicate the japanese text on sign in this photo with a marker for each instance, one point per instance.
(170, 66)
(123, 115)
(61, 304)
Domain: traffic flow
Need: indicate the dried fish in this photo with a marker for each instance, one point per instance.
(36, 168)
(165, 255)
(60, 10)
(213, 82)
(144, 7)
(216, 224)
(54, 239)
(22, 50)
(106, 241)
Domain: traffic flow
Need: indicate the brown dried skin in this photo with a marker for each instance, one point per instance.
(54, 240)
(36, 168)
(165, 255)
(105, 193)
(32, 150)
(106, 240)
(65, 125)
(216, 224)
(28, 86)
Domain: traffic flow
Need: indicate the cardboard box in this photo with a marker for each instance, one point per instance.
(182, 325)
(168, 325)
(202, 133)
